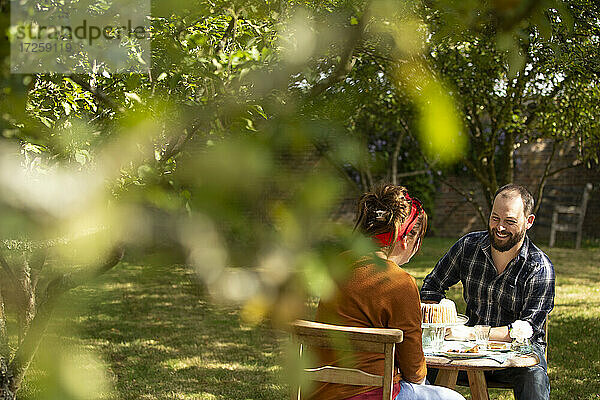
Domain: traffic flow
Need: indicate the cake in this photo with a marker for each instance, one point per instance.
(442, 313)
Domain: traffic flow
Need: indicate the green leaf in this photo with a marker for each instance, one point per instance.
(47, 121)
(81, 157)
(66, 107)
(133, 97)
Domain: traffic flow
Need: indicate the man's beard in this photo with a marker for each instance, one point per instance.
(512, 241)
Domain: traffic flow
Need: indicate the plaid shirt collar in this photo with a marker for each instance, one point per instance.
(486, 245)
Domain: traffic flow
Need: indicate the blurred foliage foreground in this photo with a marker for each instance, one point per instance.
(231, 151)
(150, 332)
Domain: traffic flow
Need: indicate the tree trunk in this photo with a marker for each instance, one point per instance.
(16, 369)
(4, 347)
(27, 311)
(369, 176)
(5, 379)
(394, 159)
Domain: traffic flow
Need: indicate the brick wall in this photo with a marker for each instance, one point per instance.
(455, 216)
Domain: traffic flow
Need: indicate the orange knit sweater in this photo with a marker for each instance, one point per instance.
(380, 298)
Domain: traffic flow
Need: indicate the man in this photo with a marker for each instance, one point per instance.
(505, 278)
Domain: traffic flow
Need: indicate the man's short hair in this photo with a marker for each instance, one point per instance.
(525, 196)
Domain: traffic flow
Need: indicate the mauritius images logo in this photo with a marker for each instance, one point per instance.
(80, 37)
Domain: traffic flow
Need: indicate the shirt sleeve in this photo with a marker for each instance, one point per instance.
(407, 316)
(445, 274)
(539, 298)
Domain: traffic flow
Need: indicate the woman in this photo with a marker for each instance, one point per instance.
(385, 297)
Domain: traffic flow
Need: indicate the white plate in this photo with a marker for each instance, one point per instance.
(463, 356)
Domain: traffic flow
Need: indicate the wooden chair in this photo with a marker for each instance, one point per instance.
(374, 340)
(576, 212)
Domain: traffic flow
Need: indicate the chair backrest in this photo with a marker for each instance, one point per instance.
(348, 338)
(546, 336)
(577, 211)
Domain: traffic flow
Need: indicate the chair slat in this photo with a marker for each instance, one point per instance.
(566, 227)
(568, 209)
(346, 376)
(340, 343)
(379, 335)
(388, 381)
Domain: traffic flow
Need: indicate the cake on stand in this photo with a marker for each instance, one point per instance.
(435, 319)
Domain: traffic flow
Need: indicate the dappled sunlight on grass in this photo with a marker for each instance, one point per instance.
(117, 286)
(574, 352)
(178, 364)
(161, 338)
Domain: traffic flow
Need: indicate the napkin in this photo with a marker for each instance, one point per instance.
(460, 332)
(521, 330)
(500, 357)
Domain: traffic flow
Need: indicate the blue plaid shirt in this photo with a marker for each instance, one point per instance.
(524, 290)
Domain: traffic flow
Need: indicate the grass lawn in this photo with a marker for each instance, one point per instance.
(158, 337)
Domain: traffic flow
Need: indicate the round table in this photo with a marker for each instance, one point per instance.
(475, 368)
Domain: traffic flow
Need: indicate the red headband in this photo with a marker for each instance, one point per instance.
(385, 239)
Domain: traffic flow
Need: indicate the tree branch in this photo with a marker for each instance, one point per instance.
(97, 93)
(475, 171)
(394, 159)
(542, 184)
(468, 197)
(20, 290)
(27, 307)
(369, 175)
(574, 164)
(464, 194)
(363, 180)
(508, 24)
(4, 342)
(413, 173)
(38, 259)
(374, 56)
(229, 32)
(11, 274)
(511, 95)
(322, 151)
(176, 145)
(483, 150)
(345, 65)
(177, 142)
(475, 120)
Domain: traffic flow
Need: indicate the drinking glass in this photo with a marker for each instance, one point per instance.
(482, 336)
(438, 338)
(433, 338)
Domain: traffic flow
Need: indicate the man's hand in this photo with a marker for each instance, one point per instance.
(460, 332)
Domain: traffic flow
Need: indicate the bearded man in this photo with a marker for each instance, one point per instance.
(505, 278)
